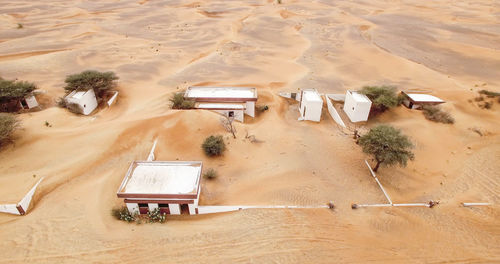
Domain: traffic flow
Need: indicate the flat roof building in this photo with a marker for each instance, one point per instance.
(417, 101)
(171, 186)
(84, 99)
(311, 105)
(228, 101)
(357, 106)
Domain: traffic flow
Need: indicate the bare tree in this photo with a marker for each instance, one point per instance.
(227, 123)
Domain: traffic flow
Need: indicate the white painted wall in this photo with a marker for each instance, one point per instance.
(31, 101)
(25, 202)
(192, 210)
(9, 208)
(250, 105)
(152, 206)
(133, 208)
(357, 111)
(113, 98)
(87, 102)
(312, 109)
(175, 209)
(333, 112)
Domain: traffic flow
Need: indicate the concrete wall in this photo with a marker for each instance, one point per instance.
(175, 209)
(9, 208)
(152, 206)
(250, 108)
(333, 112)
(311, 110)
(31, 101)
(88, 102)
(357, 111)
(133, 208)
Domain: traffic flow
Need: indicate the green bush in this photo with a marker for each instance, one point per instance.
(179, 102)
(8, 123)
(382, 97)
(101, 82)
(489, 94)
(157, 216)
(210, 174)
(123, 214)
(436, 114)
(214, 145)
(262, 108)
(12, 92)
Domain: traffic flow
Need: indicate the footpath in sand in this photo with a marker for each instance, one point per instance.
(160, 47)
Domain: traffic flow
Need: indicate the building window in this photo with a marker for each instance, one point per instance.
(143, 205)
(163, 205)
(231, 113)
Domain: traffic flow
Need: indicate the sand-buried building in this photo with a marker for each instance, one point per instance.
(311, 105)
(229, 101)
(418, 100)
(171, 186)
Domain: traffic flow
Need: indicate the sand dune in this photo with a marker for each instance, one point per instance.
(159, 47)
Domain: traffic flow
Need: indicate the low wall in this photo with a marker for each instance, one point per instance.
(333, 112)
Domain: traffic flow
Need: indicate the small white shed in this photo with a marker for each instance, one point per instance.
(84, 98)
(357, 106)
(228, 101)
(311, 105)
(29, 102)
(417, 101)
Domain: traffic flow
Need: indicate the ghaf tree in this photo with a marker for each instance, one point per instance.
(387, 145)
(12, 92)
(101, 82)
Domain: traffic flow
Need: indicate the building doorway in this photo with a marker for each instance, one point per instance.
(184, 209)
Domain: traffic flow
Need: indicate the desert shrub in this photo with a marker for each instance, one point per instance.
(179, 102)
(12, 92)
(479, 99)
(382, 97)
(214, 145)
(489, 94)
(123, 214)
(157, 216)
(262, 108)
(8, 123)
(19, 25)
(387, 145)
(436, 114)
(210, 174)
(101, 82)
(486, 105)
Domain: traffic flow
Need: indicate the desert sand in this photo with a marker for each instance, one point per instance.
(450, 48)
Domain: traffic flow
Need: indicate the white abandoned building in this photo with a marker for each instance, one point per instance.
(357, 106)
(417, 101)
(232, 102)
(171, 186)
(311, 105)
(29, 102)
(85, 99)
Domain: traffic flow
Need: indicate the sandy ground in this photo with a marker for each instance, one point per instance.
(451, 48)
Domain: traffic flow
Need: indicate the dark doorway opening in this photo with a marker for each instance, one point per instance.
(184, 209)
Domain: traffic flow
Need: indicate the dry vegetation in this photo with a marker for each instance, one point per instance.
(436, 114)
